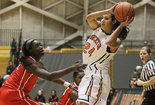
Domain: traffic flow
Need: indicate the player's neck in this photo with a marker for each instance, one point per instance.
(106, 32)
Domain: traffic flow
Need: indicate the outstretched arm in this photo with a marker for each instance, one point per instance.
(60, 81)
(51, 76)
(150, 82)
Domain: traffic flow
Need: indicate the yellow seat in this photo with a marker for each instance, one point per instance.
(5, 48)
(3, 68)
(68, 50)
(4, 59)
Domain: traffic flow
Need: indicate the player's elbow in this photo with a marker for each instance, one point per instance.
(113, 44)
(50, 78)
(109, 44)
(89, 18)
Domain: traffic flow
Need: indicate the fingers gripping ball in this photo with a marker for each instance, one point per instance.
(124, 10)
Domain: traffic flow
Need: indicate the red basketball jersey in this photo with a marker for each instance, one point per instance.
(15, 89)
(20, 79)
(65, 99)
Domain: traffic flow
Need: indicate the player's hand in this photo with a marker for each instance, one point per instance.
(111, 10)
(78, 66)
(127, 22)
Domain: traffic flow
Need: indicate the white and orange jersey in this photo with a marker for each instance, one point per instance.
(95, 51)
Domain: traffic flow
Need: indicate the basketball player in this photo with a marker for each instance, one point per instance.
(98, 51)
(70, 96)
(147, 77)
(16, 88)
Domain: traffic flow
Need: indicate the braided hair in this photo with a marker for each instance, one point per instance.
(25, 49)
(123, 34)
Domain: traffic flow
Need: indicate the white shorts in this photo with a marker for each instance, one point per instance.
(90, 101)
(94, 90)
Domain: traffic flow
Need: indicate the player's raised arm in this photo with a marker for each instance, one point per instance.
(91, 18)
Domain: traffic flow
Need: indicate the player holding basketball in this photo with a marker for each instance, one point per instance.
(16, 88)
(97, 53)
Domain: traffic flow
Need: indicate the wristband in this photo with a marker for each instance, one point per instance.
(66, 84)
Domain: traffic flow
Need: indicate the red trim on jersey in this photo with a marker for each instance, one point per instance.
(17, 87)
(65, 99)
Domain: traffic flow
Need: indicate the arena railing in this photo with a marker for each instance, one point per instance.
(6, 36)
(126, 44)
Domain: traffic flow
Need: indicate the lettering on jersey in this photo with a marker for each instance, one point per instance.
(96, 41)
(88, 45)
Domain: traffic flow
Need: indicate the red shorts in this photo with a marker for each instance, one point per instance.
(15, 97)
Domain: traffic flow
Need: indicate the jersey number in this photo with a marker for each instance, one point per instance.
(87, 50)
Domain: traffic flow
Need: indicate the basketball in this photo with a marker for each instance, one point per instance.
(124, 10)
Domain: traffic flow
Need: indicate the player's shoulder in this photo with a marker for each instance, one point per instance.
(31, 58)
(96, 30)
(150, 62)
